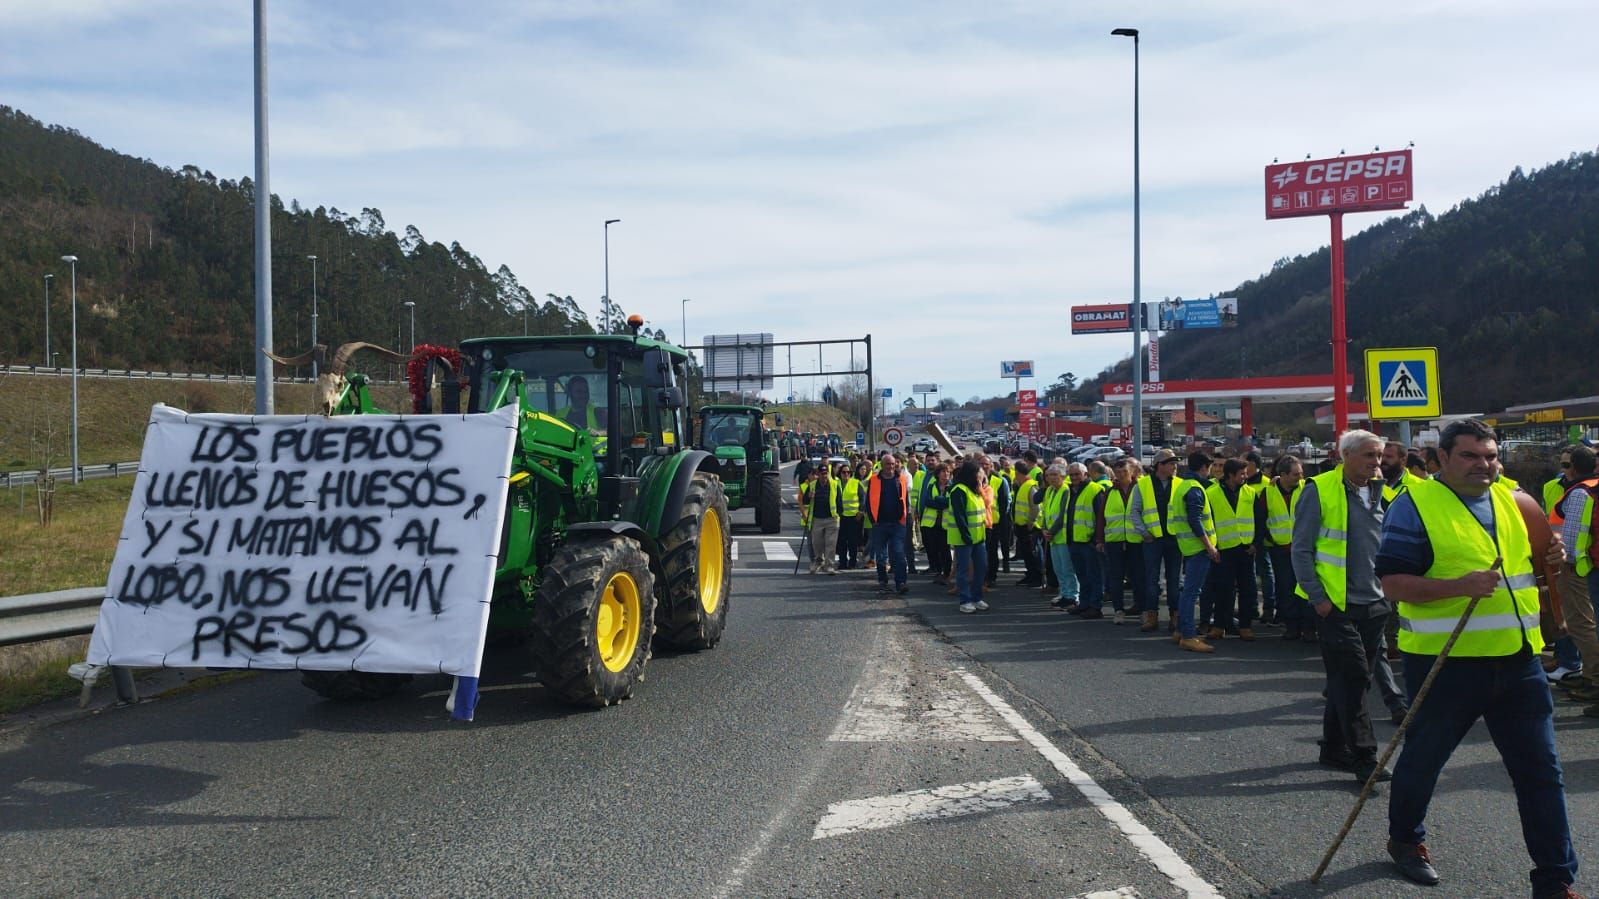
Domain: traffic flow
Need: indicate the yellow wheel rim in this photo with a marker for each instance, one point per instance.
(616, 627)
(711, 556)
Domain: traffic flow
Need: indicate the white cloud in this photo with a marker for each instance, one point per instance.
(948, 176)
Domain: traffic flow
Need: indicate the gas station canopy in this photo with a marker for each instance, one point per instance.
(1284, 389)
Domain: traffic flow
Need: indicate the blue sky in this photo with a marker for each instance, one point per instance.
(950, 177)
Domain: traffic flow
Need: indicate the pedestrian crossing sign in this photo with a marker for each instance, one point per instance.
(1403, 383)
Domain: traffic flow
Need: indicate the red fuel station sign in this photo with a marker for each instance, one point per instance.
(1342, 184)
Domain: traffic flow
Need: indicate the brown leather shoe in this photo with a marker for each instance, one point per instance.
(1194, 644)
(1246, 635)
(1215, 633)
(1176, 637)
(1151, 621)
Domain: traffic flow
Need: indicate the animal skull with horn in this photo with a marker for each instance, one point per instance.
(330, 378)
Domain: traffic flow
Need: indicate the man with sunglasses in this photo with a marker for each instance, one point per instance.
(1447, 541)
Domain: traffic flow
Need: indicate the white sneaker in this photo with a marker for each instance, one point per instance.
(1121, 618)
(982, 605)
(815, 566)
(1561, 673)
(968, 608)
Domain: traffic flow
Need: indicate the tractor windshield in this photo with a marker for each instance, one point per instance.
(568, 383)
(727, 428)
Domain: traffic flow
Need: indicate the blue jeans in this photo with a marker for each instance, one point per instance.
(1290, 608)
(1195, 570)
(1090, 584)
(890, 537)
(1567, 655)
(1121, 558)
(971, 566)
(1061, 555)
(1162, 550)
(1267, 580)
(1512, 697)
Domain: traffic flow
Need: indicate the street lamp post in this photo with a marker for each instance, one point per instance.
(411, 305)
(607, 313)
(73, 261)
(47, 278)
(684, 307)
(1138, 302)
(314, 372)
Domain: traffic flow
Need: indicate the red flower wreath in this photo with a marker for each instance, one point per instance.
(416, 371)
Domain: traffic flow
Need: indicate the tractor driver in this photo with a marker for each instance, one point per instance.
(580, 413)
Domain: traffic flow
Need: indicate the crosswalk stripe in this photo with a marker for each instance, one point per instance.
(953, 801)
(735, 550)
(779, 550)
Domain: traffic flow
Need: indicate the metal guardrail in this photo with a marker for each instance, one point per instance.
(10, 479)
(139, 374)
(45, 616)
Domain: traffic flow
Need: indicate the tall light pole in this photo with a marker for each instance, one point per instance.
(73, 261)
(1138, 300)
(608, 224)
(684, 307)
(411, 305)
(314, 372)
(263, 224)
(47, 278)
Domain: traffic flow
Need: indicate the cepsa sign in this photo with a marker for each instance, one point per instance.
(1101, 319)
(1341, 184)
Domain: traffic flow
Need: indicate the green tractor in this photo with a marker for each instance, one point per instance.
(746, 460)
(616, 533)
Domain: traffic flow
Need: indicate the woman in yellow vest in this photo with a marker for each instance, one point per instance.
(934, 503)
(1445, 542)
(967, 529)
(849, 529)
(1054, 529)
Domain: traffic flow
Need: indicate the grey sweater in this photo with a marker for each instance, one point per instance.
(1365, 535)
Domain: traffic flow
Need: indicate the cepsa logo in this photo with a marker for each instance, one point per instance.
(1334, 171)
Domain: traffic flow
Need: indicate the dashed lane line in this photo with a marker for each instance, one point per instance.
(952, 801)
(778, 550)
(1164, 858)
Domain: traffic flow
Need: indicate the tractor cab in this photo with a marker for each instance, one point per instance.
(746, 458)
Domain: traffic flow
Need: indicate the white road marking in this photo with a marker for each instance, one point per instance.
(778, 550)
(885, 707)
(1123, 893)
(734, 550)
(879, 812)
(1164, 858)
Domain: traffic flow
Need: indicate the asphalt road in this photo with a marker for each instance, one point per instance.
(835, 744)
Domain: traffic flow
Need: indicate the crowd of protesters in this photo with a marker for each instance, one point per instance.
(1373, 554)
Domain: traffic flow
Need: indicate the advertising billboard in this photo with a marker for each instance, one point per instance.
(1104, 318)
(1195, 315)
(924, 388)
(1340, 184)
(1019, 369)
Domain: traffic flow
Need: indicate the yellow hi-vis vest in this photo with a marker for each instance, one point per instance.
(1024, 506)
(852, 498)
(931, 517)
(806, 508)
(1083, 512)
(1151, 511)
(916, 493)
(1280, 513)
(1557, 520)
(1332, 540)
(1504, 621)
(1389, 494)
(1235, 525)
(1553, 490)
(995, 481)
(1118, 524)
(1177, 518)
(1052, 512)
(976, 517)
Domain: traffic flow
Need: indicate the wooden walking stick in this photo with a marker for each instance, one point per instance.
(804, 536)
(1393, 744)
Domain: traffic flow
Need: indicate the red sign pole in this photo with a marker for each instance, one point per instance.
(1340, 343)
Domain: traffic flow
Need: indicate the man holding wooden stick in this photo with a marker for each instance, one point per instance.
(1441, 544)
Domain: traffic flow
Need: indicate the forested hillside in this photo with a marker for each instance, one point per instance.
(1505, 285)
(167, 265)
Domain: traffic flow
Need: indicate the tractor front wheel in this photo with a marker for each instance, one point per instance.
(697, 557)
(593, 620)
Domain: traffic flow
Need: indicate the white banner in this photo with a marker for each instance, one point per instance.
(293, 541)
(1154, 358)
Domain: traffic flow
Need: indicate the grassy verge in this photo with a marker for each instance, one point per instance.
(37, 672)
(75, 551)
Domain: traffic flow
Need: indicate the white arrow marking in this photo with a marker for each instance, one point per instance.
(879, 812)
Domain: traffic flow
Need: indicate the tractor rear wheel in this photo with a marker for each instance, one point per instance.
(696, 555)
(593, 619)
(769, 505)
(353, 685)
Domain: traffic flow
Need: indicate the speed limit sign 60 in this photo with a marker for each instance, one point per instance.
(893, 436)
